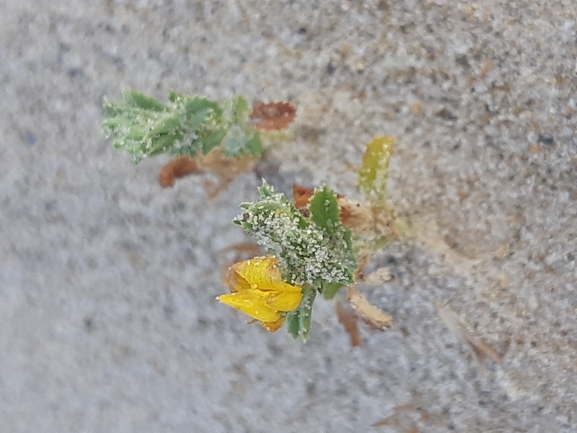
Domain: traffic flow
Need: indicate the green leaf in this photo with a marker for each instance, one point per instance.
(165, 125)
(374, 173)
(174, 96)
(234, 141)
(112, 124)
(162, 143)
(112, 109)
(350, 256)
(329, 290)
(140, 100)
(325, 210)
(195, 120)
(212, 140)
(136, 133)
(299, 320)
(254, 145)
(194, 105)
(236, 110)
(266, 190)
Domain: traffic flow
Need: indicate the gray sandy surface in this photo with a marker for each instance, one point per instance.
(108, 321)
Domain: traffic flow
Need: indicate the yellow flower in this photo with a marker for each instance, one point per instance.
(259, 291)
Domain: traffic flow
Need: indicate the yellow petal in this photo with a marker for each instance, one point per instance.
(264, 273)
(252, 303)
(284, 301)
(236, 282)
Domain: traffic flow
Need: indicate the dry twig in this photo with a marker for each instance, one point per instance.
(371, 315)
(176, 169)
(225, 168)
(349, 320)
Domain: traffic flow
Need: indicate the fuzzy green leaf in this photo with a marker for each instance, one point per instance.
(236, 110)
(163, 142)
(140, 100)
(307, 252)
(266, 190)
(254, 145)
(299, 320)
(324, 209)
(329, 290)
(234, 141)
(165, 125)
(195, 105)
(211, 140)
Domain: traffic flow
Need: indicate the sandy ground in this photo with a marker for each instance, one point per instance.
(108, 321)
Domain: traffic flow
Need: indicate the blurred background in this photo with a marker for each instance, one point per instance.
(108, 318)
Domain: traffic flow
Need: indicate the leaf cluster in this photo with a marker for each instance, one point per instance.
(314, 250)
(143, 127)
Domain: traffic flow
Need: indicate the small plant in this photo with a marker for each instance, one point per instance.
(202, 135)
(312, 250)
(315, 245)
(319, 242)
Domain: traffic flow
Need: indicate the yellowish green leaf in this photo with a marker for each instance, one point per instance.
(374, 173)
